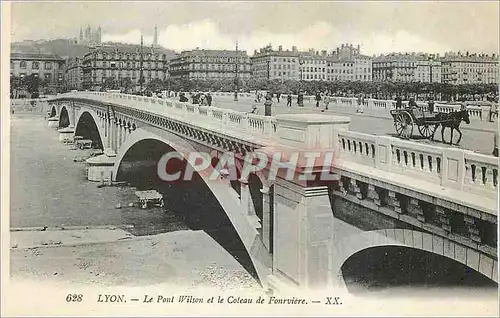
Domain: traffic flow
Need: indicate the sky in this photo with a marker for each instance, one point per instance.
(378, 27)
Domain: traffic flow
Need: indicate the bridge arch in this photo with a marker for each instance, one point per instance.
(88, 127)
(228, 202)
(351, 245)
(53, 111)
(64, 119)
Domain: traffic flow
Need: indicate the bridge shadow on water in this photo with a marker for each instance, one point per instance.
(188, 204)
(395, 267)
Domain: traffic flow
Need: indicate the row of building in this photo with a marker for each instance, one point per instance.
(346, 63)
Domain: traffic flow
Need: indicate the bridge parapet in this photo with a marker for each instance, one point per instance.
(450, 168)
(220, 118)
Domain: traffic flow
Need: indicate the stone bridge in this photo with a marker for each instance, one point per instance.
(299, 234)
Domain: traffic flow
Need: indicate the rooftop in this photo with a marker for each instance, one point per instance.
(35, 56)
(218, 53)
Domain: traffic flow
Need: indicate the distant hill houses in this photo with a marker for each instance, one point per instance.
(70, 48)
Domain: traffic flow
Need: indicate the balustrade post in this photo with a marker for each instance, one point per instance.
(244, 121)
(224, 117)
(452, 168)
(383, 153)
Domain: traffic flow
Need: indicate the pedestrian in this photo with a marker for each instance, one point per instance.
(431, 105)
(182, 98)
(495, 144)
(209, 99)
(399, 102)
(493, 110)
(360, 104)
(326, 101)
(300, 99)
(278, 95)
(289, 100)
(318, 99)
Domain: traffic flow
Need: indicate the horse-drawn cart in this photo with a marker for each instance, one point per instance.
(405, 119)
(427, 122)
(149, 196)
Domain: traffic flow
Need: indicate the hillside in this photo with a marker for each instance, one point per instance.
(65, 47)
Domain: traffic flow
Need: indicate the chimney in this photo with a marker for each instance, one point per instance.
(294, 49)
(280, 48)
(338, 51)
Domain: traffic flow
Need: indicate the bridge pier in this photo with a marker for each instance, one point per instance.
(53, 122)
(100, 168)
(302, 228)
(67, 134)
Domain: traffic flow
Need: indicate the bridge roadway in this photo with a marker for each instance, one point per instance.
(477, 136)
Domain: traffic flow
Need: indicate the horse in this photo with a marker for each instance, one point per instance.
(451, 120)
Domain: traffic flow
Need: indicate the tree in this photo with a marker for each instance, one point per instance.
(155, 85)
(32, 84)
(109, 83)
(126, 84)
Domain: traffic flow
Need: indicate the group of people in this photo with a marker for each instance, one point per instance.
(202, 99)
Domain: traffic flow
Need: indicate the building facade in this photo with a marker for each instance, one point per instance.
(468, 68)
(210, 64)
(73, 73)
(270, 64)
(122, 64)
(407, 67)
(313, 66)
(48, 67)
(347, 63)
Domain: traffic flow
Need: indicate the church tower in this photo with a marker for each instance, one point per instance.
(155, 37)
(81, 36)
(99, 35)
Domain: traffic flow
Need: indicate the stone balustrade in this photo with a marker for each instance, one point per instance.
(475, 111)
(256, 124)
(451, 168)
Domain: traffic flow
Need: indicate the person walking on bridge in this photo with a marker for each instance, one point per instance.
(318, 98)
(495, 144)
(289, 100)
(326, 101)
(360, 104)
(209, 99)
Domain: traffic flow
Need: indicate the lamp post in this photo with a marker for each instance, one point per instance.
(141, 68)
(269, 68)
(236, 75)
(300, 95)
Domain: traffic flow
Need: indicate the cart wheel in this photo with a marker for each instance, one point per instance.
(404, 125)
(144, 204)
(427, 130)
